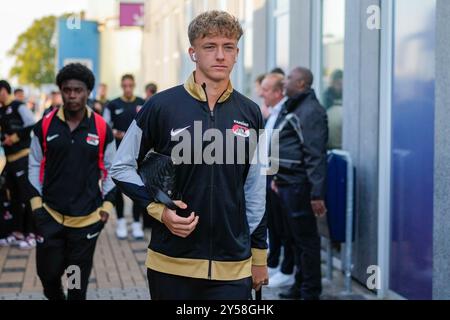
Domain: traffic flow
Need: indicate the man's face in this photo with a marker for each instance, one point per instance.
(148, 93)
(294, 84)
(20, 96)
(75, 95)
(56, 99)
(337, 85)
(3, 96)
(215, 56)
(258, 89)
(128, 86)
(269, 94)
(102, 89)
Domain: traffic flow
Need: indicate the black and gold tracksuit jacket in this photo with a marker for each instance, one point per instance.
(70, 191)
(17, 121)
(228, 198)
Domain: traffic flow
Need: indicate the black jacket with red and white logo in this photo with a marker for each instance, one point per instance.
(229, 198)
(70, 181)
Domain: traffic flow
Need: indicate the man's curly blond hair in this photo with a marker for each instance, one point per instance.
(214, 23)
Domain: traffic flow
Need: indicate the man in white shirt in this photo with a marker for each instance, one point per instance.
(272, 93)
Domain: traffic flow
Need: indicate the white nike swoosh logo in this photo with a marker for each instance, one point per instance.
(52, 137)
(174, 133)
(92, 236)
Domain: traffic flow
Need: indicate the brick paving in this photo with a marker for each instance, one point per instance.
(119, 273)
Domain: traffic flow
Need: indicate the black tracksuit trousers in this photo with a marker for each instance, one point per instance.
(169, 287)
(20, 193)
(296, 203)
(64, 249)
(279, 235)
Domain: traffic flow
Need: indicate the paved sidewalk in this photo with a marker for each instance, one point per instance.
(119, 273)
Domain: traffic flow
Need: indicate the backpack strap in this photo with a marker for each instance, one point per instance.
(46, 121)
(100, 125)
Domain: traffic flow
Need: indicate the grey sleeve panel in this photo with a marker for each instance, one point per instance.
(34, 164)
(107, 116)
(110, 152)
(124, 168)
(27, 116)
(255, 188)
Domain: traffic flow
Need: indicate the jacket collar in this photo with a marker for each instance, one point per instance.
(124, 99)
(299, 98)
(60, 113)
(198, 93)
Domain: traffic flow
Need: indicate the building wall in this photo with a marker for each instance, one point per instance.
(120, 48)
(361, 128)
(441, 236)
(117, 59)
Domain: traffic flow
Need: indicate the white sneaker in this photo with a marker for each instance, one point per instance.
(137, 232)
(27, 244)
(281, 280)
(121, 230)
(273, 271)
(4, 242)
(15, 238)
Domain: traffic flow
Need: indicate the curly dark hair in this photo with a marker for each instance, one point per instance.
(76, 71)
(5, 85)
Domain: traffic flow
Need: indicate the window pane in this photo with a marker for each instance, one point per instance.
(282, 42)
(331, 78)
(282, 5)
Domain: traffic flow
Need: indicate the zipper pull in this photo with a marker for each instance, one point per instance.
(212, 115)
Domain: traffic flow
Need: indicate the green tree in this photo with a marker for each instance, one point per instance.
(34, 53)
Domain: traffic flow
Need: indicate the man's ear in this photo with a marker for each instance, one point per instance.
(237, 56)
(192, 54)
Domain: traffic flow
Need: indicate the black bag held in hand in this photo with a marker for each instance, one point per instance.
(157, 171)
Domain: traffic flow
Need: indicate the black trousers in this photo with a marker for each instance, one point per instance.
(296, 204)
(6, 218)
(169, 287)
(64, 248)
(137, 210)
(19, 188)
(279, 235)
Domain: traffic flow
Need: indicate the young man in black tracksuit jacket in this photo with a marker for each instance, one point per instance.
(215, 243)
(119, 114)
(16, 124)
(68, 162)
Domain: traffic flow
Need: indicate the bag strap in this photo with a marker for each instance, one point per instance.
(46, 121)
(100, 125)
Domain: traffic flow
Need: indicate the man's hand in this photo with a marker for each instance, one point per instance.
(104, 216)
(319, 208)
(8, 141)
(260, 276)
(181, 227)
(118, 134)
(274, 186)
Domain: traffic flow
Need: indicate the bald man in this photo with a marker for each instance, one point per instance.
(300, 182)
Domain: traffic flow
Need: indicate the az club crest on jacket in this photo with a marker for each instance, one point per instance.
(241, 129)
(93, 139)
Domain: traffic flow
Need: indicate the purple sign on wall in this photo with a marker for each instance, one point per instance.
(132, 14)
